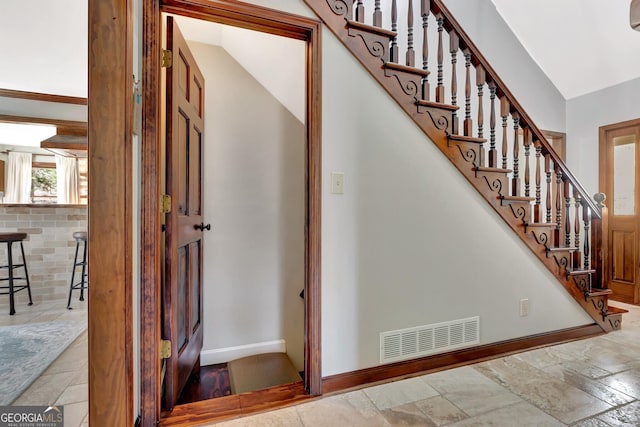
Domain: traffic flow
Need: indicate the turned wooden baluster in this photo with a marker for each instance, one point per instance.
(468, 123)
(586, 218)
(493, 154)
(377, 14)
(411, 55)
(480, 81)
(393, 54)
(567, 217)
(515, 181)
(558, 205)
(426, 7)
(527, 171)
(454, 45)
(536, 208)
(360, 11)
(440, 87)
(547, 168)
(599, 254)
(504, 113)
(576, 227)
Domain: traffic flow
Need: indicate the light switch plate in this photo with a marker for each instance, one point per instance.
(337, 183)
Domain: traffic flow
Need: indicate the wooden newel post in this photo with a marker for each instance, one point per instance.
(600, 243)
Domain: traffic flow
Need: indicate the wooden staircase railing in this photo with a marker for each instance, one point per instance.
(503, 154)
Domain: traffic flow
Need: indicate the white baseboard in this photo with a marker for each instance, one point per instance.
(223, 355)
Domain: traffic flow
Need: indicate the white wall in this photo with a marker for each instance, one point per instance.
(585, 114)
(254, 196)
(531, 87)
(410, 242)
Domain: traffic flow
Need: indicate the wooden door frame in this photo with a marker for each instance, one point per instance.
(603, 158)
(110, 153)
(259, 19)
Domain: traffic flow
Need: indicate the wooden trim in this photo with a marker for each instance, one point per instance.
(259, 19)
(110, 214)
(46, 97)
(43, 165)
(440, 362)
(150, 218)
(42, 121)
(236, 405)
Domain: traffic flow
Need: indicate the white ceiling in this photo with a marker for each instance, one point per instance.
(582, 45)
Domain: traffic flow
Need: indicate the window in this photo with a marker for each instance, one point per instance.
(44, 183)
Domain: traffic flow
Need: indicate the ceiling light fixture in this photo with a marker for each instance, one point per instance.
(634, 15)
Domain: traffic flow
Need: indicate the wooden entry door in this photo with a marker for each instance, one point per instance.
(620, 181)
(182, 297)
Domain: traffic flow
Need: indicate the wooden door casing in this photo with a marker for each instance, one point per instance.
(182, 322)
(624, 247)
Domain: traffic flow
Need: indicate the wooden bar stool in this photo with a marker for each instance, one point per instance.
(12, 288)
(80, 236)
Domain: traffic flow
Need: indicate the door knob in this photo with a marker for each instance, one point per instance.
(202, 227)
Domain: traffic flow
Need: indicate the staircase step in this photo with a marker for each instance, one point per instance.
(616, 310)
(517, 199)
(597, 292)
(561, 249)
(371, 29)
(542, 225)
(407, 69)
(463, 138)
(492, 170)
(580, 272)
(431, 104)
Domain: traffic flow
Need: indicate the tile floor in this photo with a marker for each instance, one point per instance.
(65, 382)
(588, 383)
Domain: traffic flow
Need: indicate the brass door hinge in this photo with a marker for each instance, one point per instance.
(165, 203)
(165, 349)
(167, 58)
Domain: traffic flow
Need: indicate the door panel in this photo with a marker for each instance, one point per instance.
(182, 298)
(619, 179)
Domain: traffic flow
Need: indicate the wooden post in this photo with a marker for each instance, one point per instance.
(600, 243)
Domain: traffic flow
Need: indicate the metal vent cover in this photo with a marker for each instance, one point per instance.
(410, 343)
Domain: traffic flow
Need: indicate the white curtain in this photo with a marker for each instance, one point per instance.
(18, 178)
(67, 175)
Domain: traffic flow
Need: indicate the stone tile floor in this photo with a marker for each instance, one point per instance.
(588, 383)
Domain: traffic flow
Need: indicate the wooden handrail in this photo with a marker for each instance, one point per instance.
(477, 59)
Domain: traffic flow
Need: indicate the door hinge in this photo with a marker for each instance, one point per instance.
(165, 349)
(167, 58)
(165, 203)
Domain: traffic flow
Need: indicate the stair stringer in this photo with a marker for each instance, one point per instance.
(436, 122)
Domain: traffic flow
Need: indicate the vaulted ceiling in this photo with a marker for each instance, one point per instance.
(582, 45)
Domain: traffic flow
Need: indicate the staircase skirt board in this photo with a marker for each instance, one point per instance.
(529, 164)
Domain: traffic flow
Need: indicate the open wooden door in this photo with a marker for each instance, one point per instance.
(620, 181)
(182, 296)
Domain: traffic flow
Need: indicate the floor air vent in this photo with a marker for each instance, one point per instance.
(420, 341)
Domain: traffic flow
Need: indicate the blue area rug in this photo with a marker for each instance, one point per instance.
(27, 350)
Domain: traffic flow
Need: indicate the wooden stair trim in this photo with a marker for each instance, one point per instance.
(542, 225)
(436, 127)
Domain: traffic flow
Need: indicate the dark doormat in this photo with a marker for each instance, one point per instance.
(261, 371)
